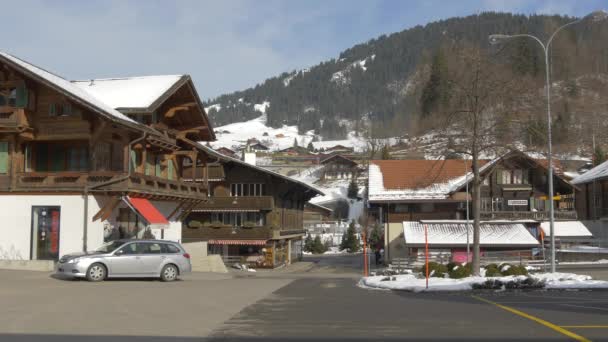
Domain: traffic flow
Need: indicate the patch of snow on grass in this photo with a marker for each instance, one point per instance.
(410, 282)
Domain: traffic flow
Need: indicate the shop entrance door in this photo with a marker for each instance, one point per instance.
(45, 233)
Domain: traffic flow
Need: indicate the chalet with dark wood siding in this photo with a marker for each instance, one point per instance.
(254, 215)
(339, 167)
(514, 188)
(83, 162)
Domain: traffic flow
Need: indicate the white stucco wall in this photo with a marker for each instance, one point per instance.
(16, 223)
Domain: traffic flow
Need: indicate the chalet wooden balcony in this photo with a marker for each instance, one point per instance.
(237, 203)
(226, 232)
(119, 182)
(527, 215)
(13, 119)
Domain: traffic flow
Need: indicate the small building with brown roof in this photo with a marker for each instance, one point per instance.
(338, 166)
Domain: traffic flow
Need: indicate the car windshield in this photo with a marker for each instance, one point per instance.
(109, 246)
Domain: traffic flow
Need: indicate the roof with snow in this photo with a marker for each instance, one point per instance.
(415, 180)
(597, 173)
(451, 234)
(139, 93)
(566, 229)
(395, 180)
(338, 157)
(71, 90)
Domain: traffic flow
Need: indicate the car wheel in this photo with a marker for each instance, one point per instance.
(169, 273)
(96, 272)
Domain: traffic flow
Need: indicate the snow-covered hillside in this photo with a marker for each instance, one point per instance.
(236, 134)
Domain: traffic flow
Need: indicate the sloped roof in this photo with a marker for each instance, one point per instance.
(130, 92)
(454, 234)
(226, 158)
(417, 179)
(566, 229)
(60, 84)
(597, 173)
(338, 156)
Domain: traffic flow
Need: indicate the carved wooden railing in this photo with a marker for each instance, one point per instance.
(13, 118)
(244, 202)
(136, 183)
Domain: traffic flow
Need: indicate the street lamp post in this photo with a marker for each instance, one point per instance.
(498, 38)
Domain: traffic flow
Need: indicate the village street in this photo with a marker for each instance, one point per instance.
(317, 299)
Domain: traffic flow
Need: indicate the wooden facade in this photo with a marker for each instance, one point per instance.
(514, 188)
(259, 210)
(54, 139)
(338, 167)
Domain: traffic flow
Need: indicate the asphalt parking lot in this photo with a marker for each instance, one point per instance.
(320, 303)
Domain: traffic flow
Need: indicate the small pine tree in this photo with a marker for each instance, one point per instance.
(310, 147)
(350, 242)
(376, 238)
(386, 154)
(308, 243)
(599, 156)
(317, 245)
(353, 189)
(295, 142)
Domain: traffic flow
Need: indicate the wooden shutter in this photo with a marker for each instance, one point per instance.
(3, 157)
(22, 96)
(133, 161)
(149, 164)
(157, 171)
(170, 169)
(52, 110)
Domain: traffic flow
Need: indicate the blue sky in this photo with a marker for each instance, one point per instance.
(226, 45)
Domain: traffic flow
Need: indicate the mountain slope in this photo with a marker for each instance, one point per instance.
(380, 81)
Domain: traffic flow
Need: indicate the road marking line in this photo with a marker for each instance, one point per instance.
(535, 319)
(586, 307)
(585, 326)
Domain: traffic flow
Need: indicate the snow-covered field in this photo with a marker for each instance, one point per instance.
(410, 282)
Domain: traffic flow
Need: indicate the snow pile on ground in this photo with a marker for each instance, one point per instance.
(415, 283)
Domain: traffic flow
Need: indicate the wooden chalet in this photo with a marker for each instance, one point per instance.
(83, 162)
(338, 166)
(227, 152)
(514, 188)
(254, 215)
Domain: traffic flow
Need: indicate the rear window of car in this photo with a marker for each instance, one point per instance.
(171, 248)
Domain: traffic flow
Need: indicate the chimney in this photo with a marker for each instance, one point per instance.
(249, 158)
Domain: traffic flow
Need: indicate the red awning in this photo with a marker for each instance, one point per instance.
(238, 242)
(148, 212)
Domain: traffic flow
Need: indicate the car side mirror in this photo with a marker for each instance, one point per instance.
(119, 252)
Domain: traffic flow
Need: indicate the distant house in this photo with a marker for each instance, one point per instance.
(514, 189)
(338, 167)
(295, 150)
(259, 147)
(280, 135)
(315, 214)
(227, 152)
(592, 193)
(339, 148)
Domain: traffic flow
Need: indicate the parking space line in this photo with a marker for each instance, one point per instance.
(541, 321)
(586, 307)
(585, 326)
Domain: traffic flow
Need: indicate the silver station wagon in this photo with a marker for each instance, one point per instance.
(128, 259)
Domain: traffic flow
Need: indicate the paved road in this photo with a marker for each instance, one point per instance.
(319, 301)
